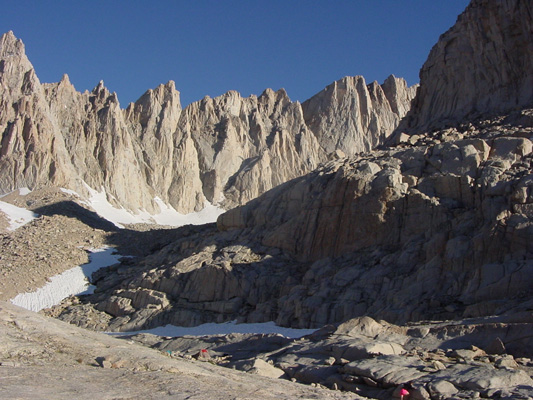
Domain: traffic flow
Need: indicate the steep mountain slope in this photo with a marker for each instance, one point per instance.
(489, 70)
(437, 227)
(353, 117)
(32, 150)
(226, 150)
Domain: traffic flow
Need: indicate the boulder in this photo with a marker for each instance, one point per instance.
(389, 371)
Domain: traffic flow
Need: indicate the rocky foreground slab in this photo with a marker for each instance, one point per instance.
(43, 358)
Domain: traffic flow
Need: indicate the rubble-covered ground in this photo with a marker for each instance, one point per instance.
(59, 238)
(460, 359)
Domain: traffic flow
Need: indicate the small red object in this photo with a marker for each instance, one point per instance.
(204, 351)
(404, 392)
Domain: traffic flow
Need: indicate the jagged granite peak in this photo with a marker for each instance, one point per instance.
(246, 146)
(153, 107)
(99, 144)
(11, 46)
(17, 74)
(351, 116)
(32, 153)
(65, 80)
(226, 150)
(399, 94)
(153, 120)
(483, 64)
(101, 95)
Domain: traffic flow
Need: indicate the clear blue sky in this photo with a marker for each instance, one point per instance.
(211, 46)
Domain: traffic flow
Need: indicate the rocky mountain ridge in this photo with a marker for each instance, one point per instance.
(438, 226)
(226, 150)
(344, 109)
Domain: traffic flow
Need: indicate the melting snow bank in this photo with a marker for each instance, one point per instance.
(221, 329)
(168, 215)
(71, 282)
(17, 216)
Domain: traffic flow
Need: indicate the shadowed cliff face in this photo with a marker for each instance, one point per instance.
(483, 64)
(226, 150)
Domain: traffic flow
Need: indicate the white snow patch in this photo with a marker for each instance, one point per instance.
(22, 192)
(168, 215)
(17, 216)
(221, 329)
(71, 282)
(68, 191)
(118, 216)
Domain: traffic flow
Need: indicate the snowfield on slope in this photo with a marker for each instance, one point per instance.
(17, 216)
(168, 215)
(74, 281)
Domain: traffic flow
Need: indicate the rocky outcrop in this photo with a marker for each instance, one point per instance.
(226, 150)
(426, 225)
(353, 117)
(487, 70)
(62, 359)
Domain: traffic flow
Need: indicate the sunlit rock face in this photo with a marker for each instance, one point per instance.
(245, 146)
(489, 69)
(32, 151)
(225, 150)
(353, 117)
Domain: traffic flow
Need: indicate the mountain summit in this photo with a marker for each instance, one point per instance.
(225, 150)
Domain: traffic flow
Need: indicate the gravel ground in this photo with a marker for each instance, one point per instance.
(59, 239)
